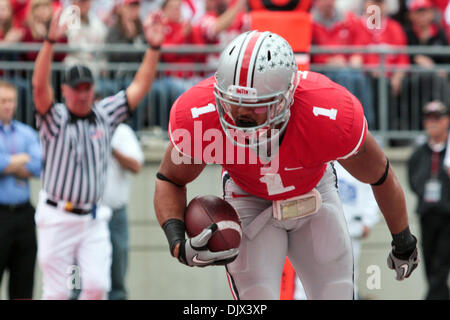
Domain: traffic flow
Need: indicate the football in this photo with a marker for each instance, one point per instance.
(202, 211)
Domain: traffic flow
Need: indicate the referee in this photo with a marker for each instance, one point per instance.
(75, 137)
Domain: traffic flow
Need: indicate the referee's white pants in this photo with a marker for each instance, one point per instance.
(65, 238)
(318, 247)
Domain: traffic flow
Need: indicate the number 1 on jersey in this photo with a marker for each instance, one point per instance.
(275, 184)
(330, 113)
(196, 112)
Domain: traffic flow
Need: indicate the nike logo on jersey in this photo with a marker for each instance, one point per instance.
(292, 169)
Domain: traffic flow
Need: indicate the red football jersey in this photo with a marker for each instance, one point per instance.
(326, 123)
(391, 33)
(346, 32)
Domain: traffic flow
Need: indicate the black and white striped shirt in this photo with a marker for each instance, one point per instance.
(76, 150)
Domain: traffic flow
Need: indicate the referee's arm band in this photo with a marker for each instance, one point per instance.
(162, 177)
(384, 176)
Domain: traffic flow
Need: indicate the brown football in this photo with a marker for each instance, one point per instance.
(202, 211)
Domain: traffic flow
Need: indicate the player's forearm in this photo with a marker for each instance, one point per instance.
(42, 90)
(143, 79)
(169, 201)
(392, 203)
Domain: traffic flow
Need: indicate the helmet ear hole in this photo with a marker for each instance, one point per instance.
(269, 56)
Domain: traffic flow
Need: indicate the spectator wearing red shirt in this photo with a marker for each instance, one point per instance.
(179, 32)
(384, 31)
(20, 10)
(222, 22)
(443, 15)
(8, 32)
(424, 31)
(169, 86)
(36, 27)
(381, 31)
(334, 28)
(224, 19)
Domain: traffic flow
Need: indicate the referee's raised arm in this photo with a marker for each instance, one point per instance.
(42, 89)
(154, 34)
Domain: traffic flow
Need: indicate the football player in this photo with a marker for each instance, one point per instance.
(275, 131)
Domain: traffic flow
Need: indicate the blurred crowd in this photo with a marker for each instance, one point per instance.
(216, 22)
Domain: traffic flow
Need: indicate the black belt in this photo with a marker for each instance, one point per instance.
(14, 207)
(78, 211)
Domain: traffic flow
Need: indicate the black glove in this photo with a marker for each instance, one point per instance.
(195, 252)
(403, 257)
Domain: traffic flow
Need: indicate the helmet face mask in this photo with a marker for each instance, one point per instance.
(253, 90)
(251, 119)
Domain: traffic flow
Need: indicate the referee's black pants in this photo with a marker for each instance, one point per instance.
(435, 227)
(18, 249)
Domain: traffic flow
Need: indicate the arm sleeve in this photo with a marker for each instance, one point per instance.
(49, 123)
(116, 109)
(5, 159)
(35, 153)
(352, 133)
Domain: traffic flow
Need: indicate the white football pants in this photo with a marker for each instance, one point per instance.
(318, 247)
